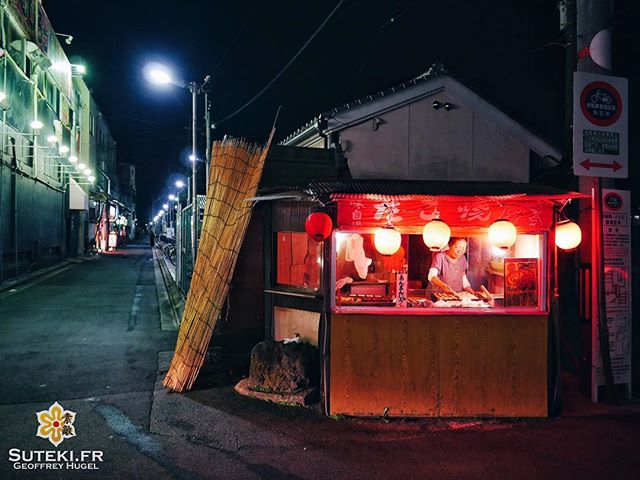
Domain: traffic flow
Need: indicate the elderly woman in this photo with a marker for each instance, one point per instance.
(448, 270)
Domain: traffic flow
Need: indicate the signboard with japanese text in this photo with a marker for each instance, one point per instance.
(521, 282)
(527, 216)
(600, 126)
(616, 232)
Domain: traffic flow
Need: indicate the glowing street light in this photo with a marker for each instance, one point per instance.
(171, 197)
(73, 159)
(37, 124)
(179, 184)
(63, 149)
(160, 75)
(52, 139)
(165, 206)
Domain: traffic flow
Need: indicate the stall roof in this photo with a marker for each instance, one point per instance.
(380, 189)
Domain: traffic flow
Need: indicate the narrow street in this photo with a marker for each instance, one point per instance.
(90, 338)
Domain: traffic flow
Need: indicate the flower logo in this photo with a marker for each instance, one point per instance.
(56, 424)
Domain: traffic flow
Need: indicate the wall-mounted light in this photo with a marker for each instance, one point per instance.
(438, 105)
(68, 38)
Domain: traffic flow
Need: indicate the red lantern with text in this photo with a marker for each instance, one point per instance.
(318, 226)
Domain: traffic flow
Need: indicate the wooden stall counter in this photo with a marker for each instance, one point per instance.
(450, 364)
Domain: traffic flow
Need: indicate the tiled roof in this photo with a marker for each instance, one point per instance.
(405, 188)
(435, 71)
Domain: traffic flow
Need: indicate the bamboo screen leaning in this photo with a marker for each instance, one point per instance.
(236, 167)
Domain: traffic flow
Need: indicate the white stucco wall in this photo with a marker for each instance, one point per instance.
(416, 142)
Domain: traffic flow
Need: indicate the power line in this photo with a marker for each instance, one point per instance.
(279, 74)
(240, 30)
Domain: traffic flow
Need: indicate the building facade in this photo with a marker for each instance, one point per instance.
(57, 155)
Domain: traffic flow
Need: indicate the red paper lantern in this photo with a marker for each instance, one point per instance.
(318, 226)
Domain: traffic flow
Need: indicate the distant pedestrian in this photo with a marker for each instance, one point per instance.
(152, 239)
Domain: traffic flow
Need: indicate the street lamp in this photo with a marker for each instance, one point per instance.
(161, 75)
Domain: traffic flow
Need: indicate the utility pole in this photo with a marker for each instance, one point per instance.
(592, 17)
(207, 136)
(193, 88)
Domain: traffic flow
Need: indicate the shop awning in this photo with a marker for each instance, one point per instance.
(388, 190)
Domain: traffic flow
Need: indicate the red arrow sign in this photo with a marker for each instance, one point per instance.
(588, 164)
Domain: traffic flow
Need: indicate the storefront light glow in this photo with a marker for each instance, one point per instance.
(387, 240)
(568, 235)
(498, 252)
(502, 234)
(436, 235)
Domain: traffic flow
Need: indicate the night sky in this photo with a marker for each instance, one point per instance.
(509, 52)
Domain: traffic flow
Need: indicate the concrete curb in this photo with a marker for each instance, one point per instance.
(170, 300)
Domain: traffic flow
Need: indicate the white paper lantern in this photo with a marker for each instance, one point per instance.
(502, 234)
(436, 235)
(568, 235)
(387, 240)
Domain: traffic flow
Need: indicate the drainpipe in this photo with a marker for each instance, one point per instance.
(14, 203)
(2, 143)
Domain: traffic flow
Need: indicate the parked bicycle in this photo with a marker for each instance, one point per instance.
(167, 246)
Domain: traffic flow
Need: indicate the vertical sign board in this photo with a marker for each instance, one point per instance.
(600, 126)
(521, 282)
(616, 232)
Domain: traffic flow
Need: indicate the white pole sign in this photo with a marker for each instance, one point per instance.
(616, 232)
(600, 126)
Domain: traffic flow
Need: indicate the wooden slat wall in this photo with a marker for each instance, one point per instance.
(438, 366)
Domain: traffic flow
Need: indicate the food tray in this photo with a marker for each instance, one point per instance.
(367, 300)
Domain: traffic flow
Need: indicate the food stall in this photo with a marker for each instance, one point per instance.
(393, 345)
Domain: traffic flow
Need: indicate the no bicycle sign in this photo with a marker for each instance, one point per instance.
(600, 132)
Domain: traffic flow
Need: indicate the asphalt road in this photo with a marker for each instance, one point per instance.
(90, 339)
